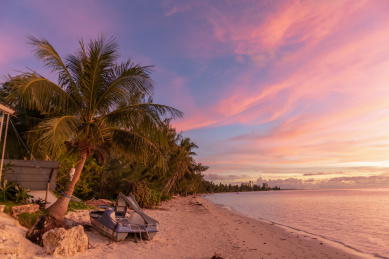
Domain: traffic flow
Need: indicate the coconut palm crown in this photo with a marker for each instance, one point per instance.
(98, 105)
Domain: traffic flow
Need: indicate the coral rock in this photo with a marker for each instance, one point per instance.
(30, 208)
(64, 242)
(42, 225)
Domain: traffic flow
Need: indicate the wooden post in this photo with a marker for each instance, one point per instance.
(4, 142)
(48, 184)
(1, 125)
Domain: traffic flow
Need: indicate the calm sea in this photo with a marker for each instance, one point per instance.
(356, 218)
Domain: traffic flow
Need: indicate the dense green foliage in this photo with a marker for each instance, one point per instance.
(90, 175)
(12, 191)
(145, 196)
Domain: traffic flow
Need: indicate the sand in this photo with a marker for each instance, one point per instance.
(192, 227)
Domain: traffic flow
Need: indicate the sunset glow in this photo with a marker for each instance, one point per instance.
(296, 92)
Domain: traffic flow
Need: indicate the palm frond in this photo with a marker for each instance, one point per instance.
(38, 92)
(132, 115)
(102, 55)
(55, 132)
(104, 105)
(45, 51)
(123, 82)
(130, 141)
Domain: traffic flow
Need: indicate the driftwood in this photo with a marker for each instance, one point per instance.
(42, 225)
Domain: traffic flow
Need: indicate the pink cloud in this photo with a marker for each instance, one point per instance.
(311, 82)
(249, 30)
(328, 183)
(242, 95)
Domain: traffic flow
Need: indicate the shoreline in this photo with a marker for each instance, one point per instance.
(192, 227)
(333, 243)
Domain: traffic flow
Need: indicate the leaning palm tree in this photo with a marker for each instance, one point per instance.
(97, 106)
(180, 161)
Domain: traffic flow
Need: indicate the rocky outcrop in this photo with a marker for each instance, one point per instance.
(42, 225)
(30, 208)
(64, 242)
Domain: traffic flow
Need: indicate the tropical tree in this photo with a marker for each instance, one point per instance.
(180, 162)
(97, 106)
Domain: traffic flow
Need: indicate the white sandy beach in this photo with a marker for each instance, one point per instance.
(190, 227)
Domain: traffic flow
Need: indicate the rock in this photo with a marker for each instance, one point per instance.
(64, 242)
(68, 222)
(2, 208)
(42, 225)
(30, 208)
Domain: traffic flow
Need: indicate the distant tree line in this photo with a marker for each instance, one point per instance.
(217, 188)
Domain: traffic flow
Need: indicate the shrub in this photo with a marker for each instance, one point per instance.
(22, 194)
(88, 179)
(154, 198)
(145, 196)
(41, 202)
(6, 190)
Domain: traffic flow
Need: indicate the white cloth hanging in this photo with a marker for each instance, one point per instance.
(71, 173)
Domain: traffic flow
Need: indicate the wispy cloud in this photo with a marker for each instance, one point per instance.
(319, 173)
(278, 88)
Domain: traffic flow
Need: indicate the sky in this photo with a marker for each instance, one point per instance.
(294, 93)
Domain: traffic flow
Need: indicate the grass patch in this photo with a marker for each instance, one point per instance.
(74, 205)
(27, 219)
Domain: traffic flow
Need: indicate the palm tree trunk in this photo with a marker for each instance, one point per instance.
(60, 207)
(170, 184)
(166, 186)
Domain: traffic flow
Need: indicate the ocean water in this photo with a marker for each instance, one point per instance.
(355, 218)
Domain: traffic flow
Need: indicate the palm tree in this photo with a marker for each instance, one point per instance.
(97, 106)
(180, 162)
